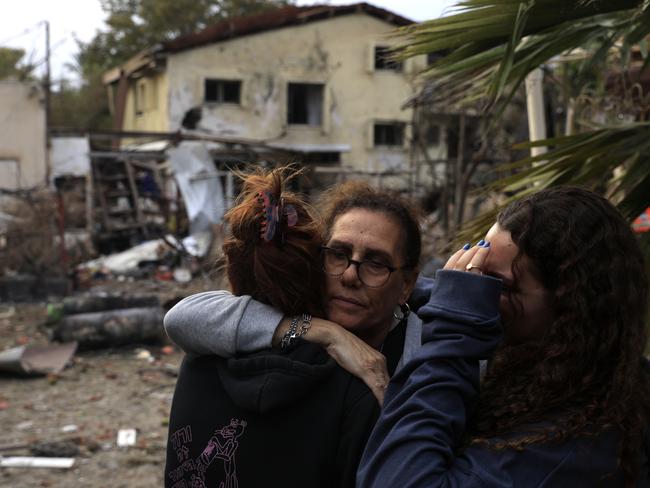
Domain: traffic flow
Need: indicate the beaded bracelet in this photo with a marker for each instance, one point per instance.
(290, 338)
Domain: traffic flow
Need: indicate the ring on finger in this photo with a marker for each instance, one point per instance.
(471, 267)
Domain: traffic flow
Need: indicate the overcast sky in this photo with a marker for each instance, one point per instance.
(21, 24)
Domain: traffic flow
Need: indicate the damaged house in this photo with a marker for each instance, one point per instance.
(22, 135)
(314, 81)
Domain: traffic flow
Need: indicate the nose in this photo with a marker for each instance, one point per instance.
(350, 276)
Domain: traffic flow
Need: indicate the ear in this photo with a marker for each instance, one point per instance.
(410, 277)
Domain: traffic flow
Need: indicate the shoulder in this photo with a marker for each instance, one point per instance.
(577, 462)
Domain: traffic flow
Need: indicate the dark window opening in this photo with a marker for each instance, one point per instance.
(305, 104)
(384, 61)
(436, 55)
(389, 134)
(432, 135)
(222, 91)
(321, 158)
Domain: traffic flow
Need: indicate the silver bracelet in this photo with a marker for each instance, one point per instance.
(286, 341)
(305, 325)
(290, 338)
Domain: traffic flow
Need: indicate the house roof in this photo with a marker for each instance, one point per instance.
(276, 19)
(247, 25)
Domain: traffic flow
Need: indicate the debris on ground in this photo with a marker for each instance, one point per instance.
(36, 462)
(55, 449)
(111, 328)
(37, 360)
(126, 437)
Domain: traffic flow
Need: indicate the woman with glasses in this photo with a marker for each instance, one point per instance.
(370, 260)
(285, 417)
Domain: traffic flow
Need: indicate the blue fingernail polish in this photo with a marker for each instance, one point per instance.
(466, 247)
(487, 244)
(481, 242)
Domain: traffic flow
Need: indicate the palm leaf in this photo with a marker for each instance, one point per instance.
(491, 46)
(583, 159)
(487, 39)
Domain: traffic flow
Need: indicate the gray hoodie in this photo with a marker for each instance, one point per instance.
(217, 322)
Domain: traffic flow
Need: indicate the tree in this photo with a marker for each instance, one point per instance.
(132, 26)
(487, 49)
(10, 64)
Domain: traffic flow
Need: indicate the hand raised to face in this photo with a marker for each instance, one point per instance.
(469, 259)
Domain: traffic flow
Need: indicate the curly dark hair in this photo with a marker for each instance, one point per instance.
(349, 195)
(586, 374)
(284, 272)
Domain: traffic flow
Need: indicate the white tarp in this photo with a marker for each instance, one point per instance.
(70, 156)
(126, 261)
(201, 189)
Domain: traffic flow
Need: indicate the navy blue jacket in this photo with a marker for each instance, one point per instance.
(417, 440)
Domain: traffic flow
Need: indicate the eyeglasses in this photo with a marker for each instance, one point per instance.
(373, 274)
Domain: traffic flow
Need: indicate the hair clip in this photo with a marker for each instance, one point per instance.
(272, 213)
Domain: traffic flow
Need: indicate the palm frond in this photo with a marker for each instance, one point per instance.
(496, 43)
(586, 159)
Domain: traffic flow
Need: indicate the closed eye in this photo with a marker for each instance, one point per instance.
(375, 264)
(339, 253)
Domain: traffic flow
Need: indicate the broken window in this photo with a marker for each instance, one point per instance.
(222, 91)
(389, 134)
(383, 59)
(305, 103)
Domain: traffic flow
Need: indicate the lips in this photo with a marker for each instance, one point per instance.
(346, 302)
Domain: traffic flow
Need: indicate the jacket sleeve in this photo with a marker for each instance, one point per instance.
(217, 322)
(427, 404)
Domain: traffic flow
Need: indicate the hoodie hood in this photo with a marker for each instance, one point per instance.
(268, 380)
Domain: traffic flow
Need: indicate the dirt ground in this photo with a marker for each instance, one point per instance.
(86, 404)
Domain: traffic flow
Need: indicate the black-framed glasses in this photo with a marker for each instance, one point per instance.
(371, 273)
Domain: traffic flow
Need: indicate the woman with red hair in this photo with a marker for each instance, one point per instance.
(288, 416)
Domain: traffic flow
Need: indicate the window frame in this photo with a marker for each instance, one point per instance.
(380, 56)
(400, 141)
(289, 104)
(220, 91)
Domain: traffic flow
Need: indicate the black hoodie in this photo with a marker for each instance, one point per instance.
(267, 419)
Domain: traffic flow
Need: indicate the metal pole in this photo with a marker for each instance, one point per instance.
(46, 86)
(458, 173)
(535, 104)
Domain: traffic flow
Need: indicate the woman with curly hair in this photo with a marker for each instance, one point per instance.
(288, 416)
(556, 297)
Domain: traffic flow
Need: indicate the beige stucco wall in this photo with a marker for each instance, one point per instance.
(22, 135)
(153, 109)
(337, 52)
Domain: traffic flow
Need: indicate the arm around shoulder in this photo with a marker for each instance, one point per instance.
(217, 322)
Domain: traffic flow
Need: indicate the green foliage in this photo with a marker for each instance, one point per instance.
(80, 107)
(132, 26)
(490, 46)
(10, 65)
(493, 44)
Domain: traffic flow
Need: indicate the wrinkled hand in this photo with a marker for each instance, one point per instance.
(350, 352)
(359, 359)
